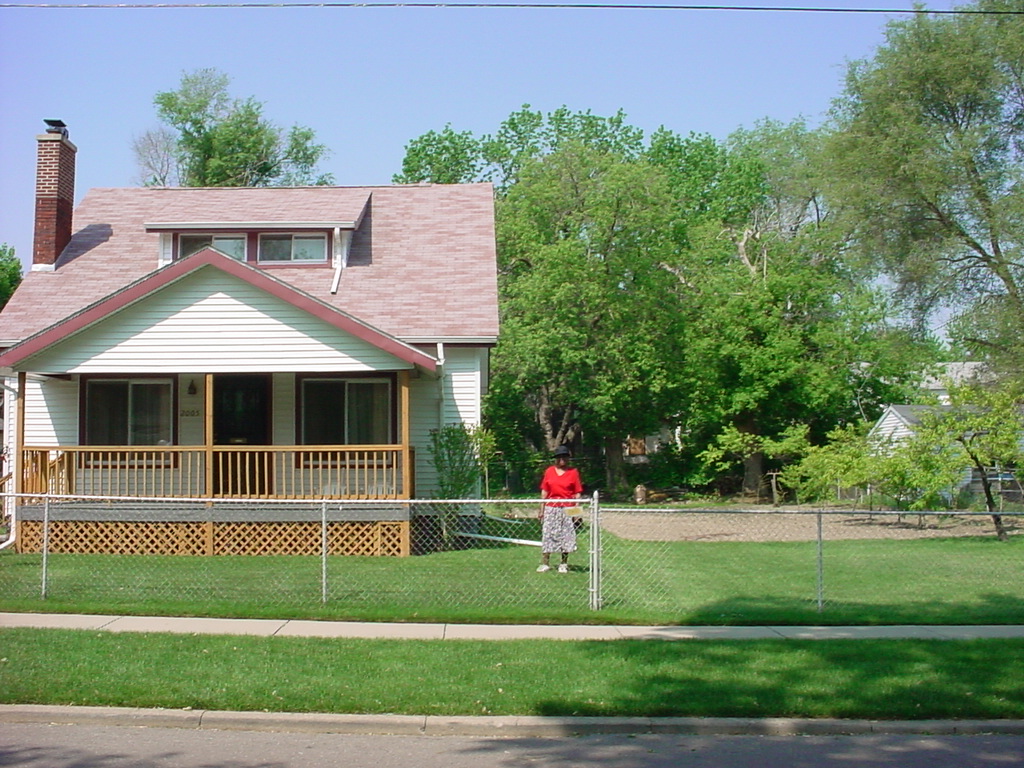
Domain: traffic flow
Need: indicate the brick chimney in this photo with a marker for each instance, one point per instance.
(55, 195)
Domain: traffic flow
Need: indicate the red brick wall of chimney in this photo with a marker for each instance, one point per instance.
(55, 198)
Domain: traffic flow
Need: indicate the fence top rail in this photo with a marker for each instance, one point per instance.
(810, 512)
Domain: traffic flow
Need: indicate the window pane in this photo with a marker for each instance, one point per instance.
(106, 413)
(189, 244)
(309, 248)
(275, 248)
(369, 413)
(150, 413)
(323, 412)
(231, 246)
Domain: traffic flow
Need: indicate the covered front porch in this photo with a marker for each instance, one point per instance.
(236, 456)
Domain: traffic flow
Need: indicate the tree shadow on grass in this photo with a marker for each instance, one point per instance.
(874, 679)
(989, 608)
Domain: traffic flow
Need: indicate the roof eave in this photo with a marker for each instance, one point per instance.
(231, 226)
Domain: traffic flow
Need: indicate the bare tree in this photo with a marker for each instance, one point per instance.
(156, 156)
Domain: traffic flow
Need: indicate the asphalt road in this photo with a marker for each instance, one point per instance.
(89, 746)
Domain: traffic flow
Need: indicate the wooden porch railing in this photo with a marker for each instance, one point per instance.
(220, 471)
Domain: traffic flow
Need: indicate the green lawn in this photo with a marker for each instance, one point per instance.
(938, 581)
(881, 679)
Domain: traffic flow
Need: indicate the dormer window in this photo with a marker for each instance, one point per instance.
(258, 243)
(230, 245)
(296, 248)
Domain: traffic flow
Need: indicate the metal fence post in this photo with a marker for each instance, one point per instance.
(46, 544)
(821, 567)
(595, 553)
(323, 551)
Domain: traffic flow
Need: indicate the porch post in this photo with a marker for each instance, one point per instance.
(208, 432)
(403, 388)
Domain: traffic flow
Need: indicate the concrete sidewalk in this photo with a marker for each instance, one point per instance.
(413, 631)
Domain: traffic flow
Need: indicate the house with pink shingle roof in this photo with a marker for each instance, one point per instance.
(272, 343)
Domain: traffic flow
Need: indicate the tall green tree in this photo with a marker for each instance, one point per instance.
(10, 273)
(210, 139)
(588, 335)
(684, 282)
(457, 157)
(926, 161)
(441, 157)
(784, 342)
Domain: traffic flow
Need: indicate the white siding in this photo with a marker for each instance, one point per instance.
(51, 412)
(190, 409)
(890, 427)
(462, 383)
(213, 322)
(423, 405)
(283, 418)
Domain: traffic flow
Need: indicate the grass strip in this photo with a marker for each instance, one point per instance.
(878, 679)
(939, 581)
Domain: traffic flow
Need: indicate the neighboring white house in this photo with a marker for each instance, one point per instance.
(245, 342)
(966, 372)
(899, 421)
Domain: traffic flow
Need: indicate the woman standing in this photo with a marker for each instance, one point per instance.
(558, 534)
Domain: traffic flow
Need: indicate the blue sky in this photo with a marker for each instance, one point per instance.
(370, 79)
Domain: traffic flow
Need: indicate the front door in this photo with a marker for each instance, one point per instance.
(241, 419)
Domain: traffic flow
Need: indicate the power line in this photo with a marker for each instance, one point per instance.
(521, 5)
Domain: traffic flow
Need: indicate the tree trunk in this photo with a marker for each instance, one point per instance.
(753, 456)
(753, 474)
(559, 427)
(990, 499)
(614, 465)
(993, 507)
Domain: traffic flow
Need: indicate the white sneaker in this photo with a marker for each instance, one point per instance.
(543, 568)
(563, 568)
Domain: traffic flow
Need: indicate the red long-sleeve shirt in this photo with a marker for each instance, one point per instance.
(561, 486)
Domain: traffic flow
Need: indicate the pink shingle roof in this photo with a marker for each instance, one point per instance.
(422, 263)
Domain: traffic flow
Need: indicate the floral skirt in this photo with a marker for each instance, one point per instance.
(558, 533)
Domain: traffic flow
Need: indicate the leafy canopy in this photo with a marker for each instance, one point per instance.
(926, 163)
(683, 282)
(211, 139)
(10, 273)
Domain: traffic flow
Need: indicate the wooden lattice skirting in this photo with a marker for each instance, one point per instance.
(380, 538)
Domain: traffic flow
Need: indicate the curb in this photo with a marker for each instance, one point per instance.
(498, 726)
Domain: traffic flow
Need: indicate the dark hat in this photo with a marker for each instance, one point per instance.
(562, 451)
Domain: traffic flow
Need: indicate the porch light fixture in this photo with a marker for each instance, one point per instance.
(191, 387)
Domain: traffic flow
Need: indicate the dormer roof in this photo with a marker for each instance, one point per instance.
(421, 265)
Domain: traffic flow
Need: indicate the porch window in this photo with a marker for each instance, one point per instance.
(128, 412)
(293, 248)
(231, 245)
(346, 412)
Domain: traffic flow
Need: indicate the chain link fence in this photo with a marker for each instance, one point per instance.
(476, 560)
